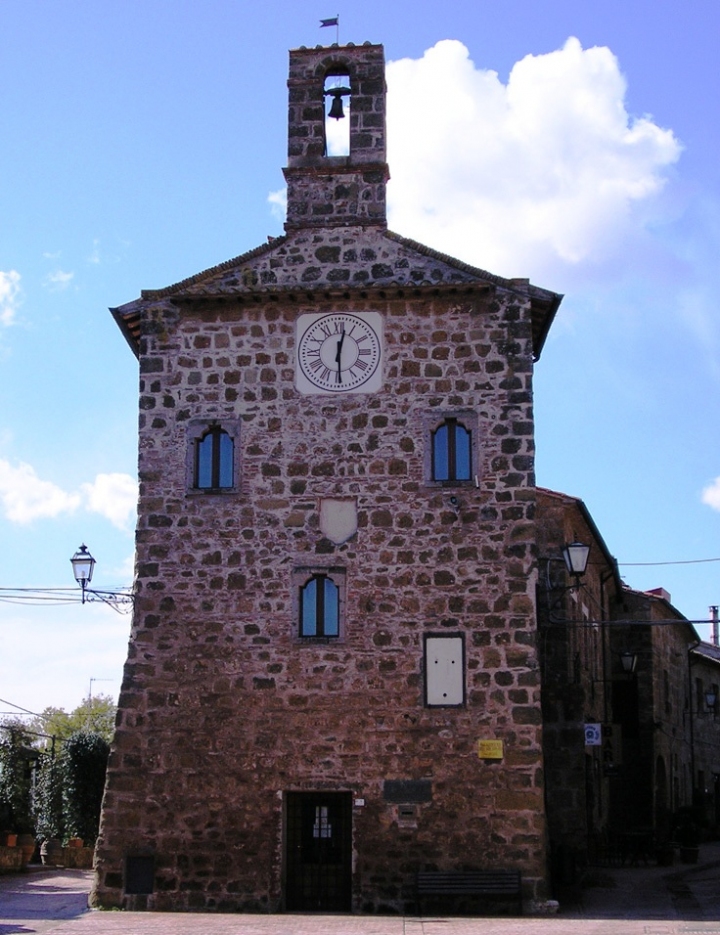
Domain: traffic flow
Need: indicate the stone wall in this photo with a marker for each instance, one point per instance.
(224, 708)
(11, 859)
(705, 676)
(641, 774)
(661, 747)
(574, 644)
(365, 67)
(323, 190)
(79, 858)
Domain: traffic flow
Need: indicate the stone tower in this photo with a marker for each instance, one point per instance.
(332, 676)
(325, 190)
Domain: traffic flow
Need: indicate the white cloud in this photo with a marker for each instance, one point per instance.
(278, 204)
(58, 280)
(547, 168)
(127, 568)
(113, 496)
(26, 497)
(95, 254)
(711, 495)
(9, 296)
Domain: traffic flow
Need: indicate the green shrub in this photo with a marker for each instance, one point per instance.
(17, 759)
(48, 804)
(83, 764)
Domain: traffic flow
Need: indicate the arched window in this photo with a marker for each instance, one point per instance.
(319, 607)
(214, 456)
(451, 451)
(336, 91)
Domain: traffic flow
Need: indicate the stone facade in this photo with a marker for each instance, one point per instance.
(652, 708)
(231, 723)
(705, 683)
(658, 755)
(328, 190)
(574, 639)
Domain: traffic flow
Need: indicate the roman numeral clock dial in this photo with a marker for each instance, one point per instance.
(339, 353)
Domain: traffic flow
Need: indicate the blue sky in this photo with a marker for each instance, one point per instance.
(573, 143)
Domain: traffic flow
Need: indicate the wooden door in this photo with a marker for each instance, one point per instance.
(318, 856)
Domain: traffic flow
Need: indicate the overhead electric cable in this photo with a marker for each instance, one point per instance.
(690, 561)
(34, 714)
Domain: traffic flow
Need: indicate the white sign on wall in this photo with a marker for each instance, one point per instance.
(444, 675)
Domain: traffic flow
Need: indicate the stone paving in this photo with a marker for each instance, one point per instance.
(643, 900)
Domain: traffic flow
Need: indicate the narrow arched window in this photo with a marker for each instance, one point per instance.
(451, 451)
(214, 454)
(319, 607)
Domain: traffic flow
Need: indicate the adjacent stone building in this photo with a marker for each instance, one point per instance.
(704, 711)
(332, 679)
(629, 699)
(574, 617)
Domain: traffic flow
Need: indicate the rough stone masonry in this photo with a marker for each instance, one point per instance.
(235, 729)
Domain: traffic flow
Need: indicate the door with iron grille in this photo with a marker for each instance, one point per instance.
(318, 858)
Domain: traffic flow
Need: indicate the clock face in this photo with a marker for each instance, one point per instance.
(339, 353)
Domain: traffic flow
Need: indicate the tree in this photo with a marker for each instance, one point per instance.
(18, 758)
(48, 799)
(64, 796)
(95, 714)
(83, 766)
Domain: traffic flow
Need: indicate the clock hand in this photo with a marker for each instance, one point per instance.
(338, 356)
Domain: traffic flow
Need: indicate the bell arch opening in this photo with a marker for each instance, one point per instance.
(337, 95)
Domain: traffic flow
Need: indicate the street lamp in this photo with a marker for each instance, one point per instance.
(82, 565)
(576, 558)
(628, 661)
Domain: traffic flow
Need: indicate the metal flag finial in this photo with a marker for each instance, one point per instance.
(333, 21)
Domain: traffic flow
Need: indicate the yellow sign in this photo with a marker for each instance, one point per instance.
(490, 749)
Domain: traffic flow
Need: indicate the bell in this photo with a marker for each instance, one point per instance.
(336, 108)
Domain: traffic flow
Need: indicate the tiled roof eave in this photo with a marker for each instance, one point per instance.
(460, 279)
(475, 273)
(298, 292)
(198, 278)
(128, 319)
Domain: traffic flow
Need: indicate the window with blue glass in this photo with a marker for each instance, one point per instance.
(451, 452)
(214, 460)
(320, 607)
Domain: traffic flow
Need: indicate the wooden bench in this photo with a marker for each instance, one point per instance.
(493, 885)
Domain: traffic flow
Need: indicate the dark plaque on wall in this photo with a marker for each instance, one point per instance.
(407, 790)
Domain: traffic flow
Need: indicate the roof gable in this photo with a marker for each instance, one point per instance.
(344, 260)
(330, 258)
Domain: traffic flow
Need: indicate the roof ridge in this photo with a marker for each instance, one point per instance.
(446, 258)
(213, 270)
